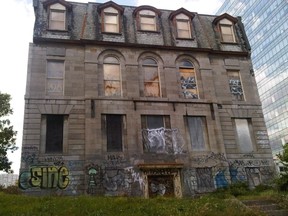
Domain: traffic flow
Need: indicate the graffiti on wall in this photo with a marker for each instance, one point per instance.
(162, 140)
(212, 157)
(109, 179)
(29, 155)
(45, 177)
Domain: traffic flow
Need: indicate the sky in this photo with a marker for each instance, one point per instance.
(16, 34)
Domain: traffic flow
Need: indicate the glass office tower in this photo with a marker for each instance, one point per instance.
(266, 25)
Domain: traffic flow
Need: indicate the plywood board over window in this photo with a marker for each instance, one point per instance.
(55, 77)
(244, 138)
(112, 77)
(188, 80)
(151, 78)
(198, 132)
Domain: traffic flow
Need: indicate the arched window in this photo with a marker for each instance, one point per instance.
(188, 80)
(151, 78)
(112, 76)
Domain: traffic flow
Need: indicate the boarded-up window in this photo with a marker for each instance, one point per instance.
(57, 17)
(156, 134)
(54, 133)
(111, 20)
(235, 85)
(244, 131)
(114, 132)
(147, 20)
(151, 78)
(183, 26)
(55, 76)
(188, 80)
(227, 31)
(112, 78)
(198, 132)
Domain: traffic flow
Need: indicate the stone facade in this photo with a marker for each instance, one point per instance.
(107, 146)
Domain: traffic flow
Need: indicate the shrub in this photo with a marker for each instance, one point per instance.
(239, 188)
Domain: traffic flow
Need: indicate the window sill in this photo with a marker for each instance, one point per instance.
(229, 43)
(147, 31)
(189, 39)
(112, 33)
(56, 30)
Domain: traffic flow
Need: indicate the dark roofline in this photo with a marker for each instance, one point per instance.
(227, 16)
(181, 10)
(146, 7)
(62, 2)
(111, 4)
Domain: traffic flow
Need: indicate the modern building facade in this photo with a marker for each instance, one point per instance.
(139, 101)
(267, 30)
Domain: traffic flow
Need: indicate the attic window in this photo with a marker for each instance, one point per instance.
(147, 20)
(57, 17)
(110, 20)
(183, 26)
(227, 31)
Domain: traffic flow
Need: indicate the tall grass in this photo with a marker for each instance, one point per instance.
(120, 206)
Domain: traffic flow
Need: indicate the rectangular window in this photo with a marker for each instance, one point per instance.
(147, 23)
(235, 85)
(112, 80)
(183, 29)
(227, 33)
(55, 76)
(57, 20)
(188, 82)
(111, 23)
(155, 121)
(151, 81)
(114, 131)
(198, 132)
(54, 133)
(156, 133)
(244, 131)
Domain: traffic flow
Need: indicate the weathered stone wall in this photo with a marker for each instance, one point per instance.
(85, 165)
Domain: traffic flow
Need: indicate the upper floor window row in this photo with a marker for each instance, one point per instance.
(147, 18)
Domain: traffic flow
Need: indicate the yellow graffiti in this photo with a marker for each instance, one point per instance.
(49, 177)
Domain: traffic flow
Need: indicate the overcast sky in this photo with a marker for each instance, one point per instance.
(17, 20)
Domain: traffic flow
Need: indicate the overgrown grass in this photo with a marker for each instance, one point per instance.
(221, 202)
(120, 206)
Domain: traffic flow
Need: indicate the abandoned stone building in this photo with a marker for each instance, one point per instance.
(139, 101)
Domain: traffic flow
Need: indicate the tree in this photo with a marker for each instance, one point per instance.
(7, 134)
(282, 181)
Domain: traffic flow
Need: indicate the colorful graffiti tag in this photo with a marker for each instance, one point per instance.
(45, 177)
